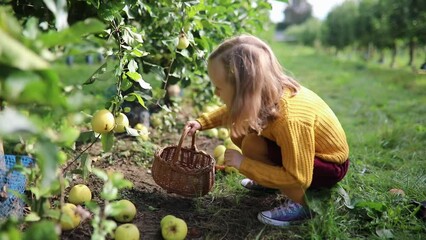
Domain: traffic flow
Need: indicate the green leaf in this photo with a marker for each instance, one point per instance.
(134, 76)
(384, 233)
(87, 165)
(73, 34)
(139, 98)
(13, 53)
(346, 198)
(377, 206)
(32, 217)
(107, 140)
(46, 160)
(100, 174)
(68, 136)
(43, 230)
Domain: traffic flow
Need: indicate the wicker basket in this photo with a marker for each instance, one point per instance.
(185, 171)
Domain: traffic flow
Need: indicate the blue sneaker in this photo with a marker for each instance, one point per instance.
(285, 215)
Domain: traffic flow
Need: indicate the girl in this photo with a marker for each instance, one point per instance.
(290, 138)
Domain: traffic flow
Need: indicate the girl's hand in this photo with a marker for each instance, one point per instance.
(233, 158)
(194, 126)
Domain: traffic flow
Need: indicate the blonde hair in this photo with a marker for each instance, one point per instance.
(258, 79)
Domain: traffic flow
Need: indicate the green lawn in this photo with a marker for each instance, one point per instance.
(383, 112)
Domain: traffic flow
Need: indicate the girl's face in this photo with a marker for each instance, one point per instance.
(218, 75)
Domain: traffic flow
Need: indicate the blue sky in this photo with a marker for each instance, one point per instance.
(320, 8)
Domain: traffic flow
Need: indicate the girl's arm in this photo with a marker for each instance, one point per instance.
(214, 118)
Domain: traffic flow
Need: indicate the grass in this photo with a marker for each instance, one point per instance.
(383, 113)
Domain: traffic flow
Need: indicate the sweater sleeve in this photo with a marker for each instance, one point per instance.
(296, 140)
(213, 119)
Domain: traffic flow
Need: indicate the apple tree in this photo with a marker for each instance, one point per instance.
(45, 116)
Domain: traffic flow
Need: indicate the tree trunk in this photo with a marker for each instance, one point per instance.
(381, 56)
(393, 57)
(412, 46)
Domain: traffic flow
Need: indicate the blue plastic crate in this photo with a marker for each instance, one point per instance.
(15, 181)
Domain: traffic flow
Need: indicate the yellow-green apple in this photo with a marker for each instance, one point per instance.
(79, 194)
(174, 229)
(69, 218)
(223, 133)
(166, 218)
(219, 150)
(183, 41)
(212, 133)
(127, 211)
(230, 169)
(121, 122)
(127, 231)
(103, 121)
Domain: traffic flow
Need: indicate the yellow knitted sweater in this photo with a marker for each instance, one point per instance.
(306, 128)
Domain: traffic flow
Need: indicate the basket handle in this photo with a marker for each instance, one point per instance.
(179, 146)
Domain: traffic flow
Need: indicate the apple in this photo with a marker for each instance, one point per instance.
(127, 211)
(219, 150)
(166, 218)
(121, 122)
(79, 194)
(227, 142)
(212, 133)
(223, 133)
(140, 127)
(183, 42)
(220, 160)
(62, 157)
(229, 169)
(156, 121)
(174, 229)
(143, 131)
(103, 121)
(127, 231)
(69, 219)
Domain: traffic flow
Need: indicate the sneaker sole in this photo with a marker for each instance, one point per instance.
(277, 223)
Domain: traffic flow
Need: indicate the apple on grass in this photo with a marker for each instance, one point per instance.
(79, 194)
(127, 211)
(174, 229)
(127, 231)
